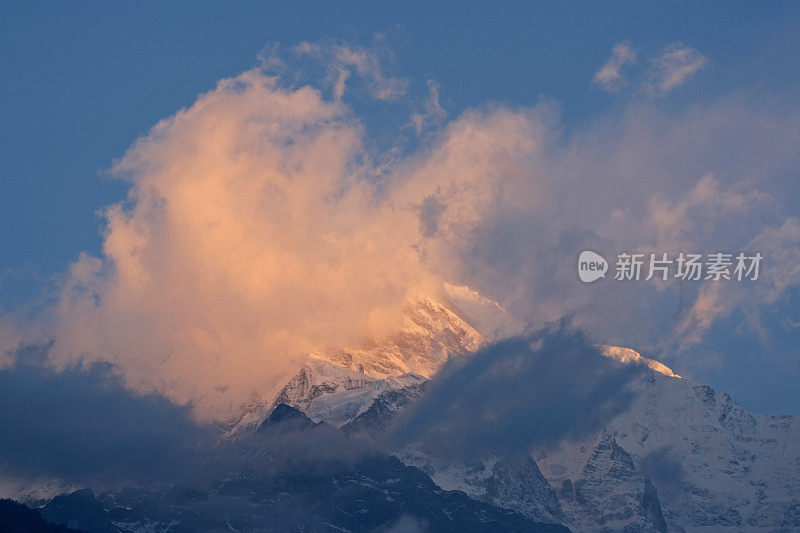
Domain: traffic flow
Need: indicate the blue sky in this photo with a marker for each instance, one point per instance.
(83, 80)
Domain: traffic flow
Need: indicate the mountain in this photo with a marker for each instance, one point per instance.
(510, 482)
(378, 493)
(377, 417)
(713, 464)
(18, 518)
(340, 384)
(431, 332)
(680, 457)
(292, 474)
(79, 510)
(312, 455)
(609, 492)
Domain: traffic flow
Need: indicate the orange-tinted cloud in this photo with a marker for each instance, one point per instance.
(253, 233)
(260, 226)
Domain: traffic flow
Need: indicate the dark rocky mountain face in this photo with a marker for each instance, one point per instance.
(613, 493)
(380, 414)
(286, 418)
(79, 510)
(18, 518)
(252, 486)
(323, 455)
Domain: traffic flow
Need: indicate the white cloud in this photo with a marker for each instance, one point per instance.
(342, 61)
(432, 112)
(687, 221)
(609, 77)
(252, 235)
(778, 273)
(672, 67)
(259, 227)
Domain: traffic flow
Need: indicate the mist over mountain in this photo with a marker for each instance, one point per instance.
(529, 433)
(410, 267)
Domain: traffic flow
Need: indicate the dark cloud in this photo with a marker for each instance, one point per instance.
(287, 441)
(530, 390)
(665, 471)
(82, 426)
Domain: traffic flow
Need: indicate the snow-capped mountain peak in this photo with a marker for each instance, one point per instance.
(626, 355)
(679, 457)
(340, 384)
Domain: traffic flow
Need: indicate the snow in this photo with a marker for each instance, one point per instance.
(711, 461)
(485, 315)
(712, 464)
(338, 385)
(626, 355)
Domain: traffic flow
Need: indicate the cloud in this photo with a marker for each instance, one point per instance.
(609, 77)
(668, 69)
(10, 339)
(262, 225)
(407, 524)
(81, 426)
(342, 61)
(779, 273)
(253, 233)
(675, 64)
(667, 472)
(643, 181)
(432, 113)
(688, 220)
(526, 391)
